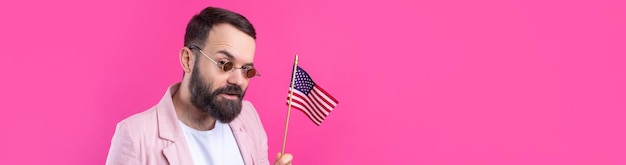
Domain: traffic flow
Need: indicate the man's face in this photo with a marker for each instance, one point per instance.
(214, 91)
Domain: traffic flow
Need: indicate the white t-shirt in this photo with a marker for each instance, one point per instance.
(213, 147)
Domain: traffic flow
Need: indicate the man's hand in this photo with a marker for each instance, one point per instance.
(283, 159)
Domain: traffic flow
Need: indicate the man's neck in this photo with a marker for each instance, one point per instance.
(189, 114)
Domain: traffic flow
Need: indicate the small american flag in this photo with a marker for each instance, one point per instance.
(310, 98)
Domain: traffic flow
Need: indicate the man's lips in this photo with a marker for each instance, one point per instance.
(230, 96)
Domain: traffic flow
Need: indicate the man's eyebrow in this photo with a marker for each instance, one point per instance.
(231, 57)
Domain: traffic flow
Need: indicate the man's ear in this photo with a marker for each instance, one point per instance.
(186, 59)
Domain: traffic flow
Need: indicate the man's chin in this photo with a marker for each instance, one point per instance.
(230, 118)
(227, 109)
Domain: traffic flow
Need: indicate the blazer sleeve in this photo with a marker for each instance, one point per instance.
(122, 151)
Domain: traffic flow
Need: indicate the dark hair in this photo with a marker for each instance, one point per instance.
(200, 24)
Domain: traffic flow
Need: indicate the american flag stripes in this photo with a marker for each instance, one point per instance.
(310, 98)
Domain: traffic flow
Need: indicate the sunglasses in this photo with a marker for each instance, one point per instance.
(226, 66)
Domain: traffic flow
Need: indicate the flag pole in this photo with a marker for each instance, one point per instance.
(293, 81)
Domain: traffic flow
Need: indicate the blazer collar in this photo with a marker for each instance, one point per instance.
(177, 152)
(166, 116)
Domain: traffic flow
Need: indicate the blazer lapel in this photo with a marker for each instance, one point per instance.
(243, 141)
(176, 150)
(177, 153)
(171, 154)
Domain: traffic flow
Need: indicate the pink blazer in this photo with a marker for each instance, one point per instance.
(155, 137)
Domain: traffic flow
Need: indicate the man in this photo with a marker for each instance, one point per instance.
(203, 119)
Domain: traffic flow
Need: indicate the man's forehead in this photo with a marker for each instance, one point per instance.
(231, 42)
(226, 31)
(232, 52)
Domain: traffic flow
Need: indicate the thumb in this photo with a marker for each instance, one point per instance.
(278, 155)
(277, 160)
(283, 159)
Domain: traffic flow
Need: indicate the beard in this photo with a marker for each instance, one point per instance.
(221, 109)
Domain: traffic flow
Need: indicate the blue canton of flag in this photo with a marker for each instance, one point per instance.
(310, 98)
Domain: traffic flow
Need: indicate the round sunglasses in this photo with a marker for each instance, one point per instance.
(226, 66)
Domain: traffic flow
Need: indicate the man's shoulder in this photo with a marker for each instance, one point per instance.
(142, 119)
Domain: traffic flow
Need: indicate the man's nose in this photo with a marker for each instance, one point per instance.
(236, 77)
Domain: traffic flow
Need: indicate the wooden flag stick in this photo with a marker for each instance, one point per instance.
(293, 81)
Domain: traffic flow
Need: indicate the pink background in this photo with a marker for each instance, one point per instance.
(432, 82)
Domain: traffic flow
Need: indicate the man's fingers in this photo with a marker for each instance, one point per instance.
(283, 159)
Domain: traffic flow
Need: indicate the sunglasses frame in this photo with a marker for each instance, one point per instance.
(231, 65)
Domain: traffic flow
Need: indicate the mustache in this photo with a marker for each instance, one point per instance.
(231, 90)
